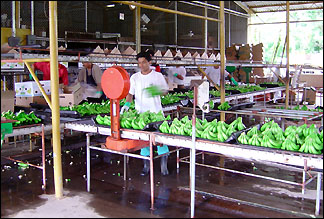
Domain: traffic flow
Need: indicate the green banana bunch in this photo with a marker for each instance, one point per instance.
(279, 136)
(289, 145)
(253, 131)
(268, 132)
(221, 136)
(126, 123)
(255, 140)
(299, 140)
(275, 129)
(103, 120)
(22, 117)
(311, 129)
(169, 99)
(275, 143)
(293, 137)
(289, 130)
(238, 124)
(153, 91)
(317, 143)
(224, 106)
(243, 138)
(300, 129)
(310, 146)
(265, 126)
(230, 131)
(164, 127)
(265, 142)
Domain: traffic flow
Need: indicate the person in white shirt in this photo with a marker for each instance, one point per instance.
(177, 74)
(139, 81)
(213, 72)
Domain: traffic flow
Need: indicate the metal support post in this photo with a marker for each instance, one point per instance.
(13, 18)
(86, 16)
(32, 23)
(205, 29)
(222, 53)
(4, 83)
(30, 143)
(304, 176)
(176, 24)
(125, 161)
(88, 161)
(152, 141)
(58, 181)
(203, 157)
(193, 158)
(318, 192)
(287, 55)
(178, 159)
(17, 14)
(43, 157)
(138, 28)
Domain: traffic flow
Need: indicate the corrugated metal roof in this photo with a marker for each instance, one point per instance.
(275, 6)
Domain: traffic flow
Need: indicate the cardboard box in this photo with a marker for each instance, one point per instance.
(30, 88)
(312, 80)
(231, 53)
(310, 95)
(258, 71)
(7, 100)
(25, 101)
(73, 87)
(260, 80)
(71, 98)
(244, 52)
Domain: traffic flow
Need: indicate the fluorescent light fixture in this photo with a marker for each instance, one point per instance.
(110, 6)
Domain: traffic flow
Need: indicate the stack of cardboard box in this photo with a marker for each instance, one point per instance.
(28, 92)
(7, 100)
(72, 95)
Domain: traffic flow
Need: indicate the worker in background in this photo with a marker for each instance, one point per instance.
(45, 67)
(213, 72)
(91, 74)
(144, 101)
(177, 74)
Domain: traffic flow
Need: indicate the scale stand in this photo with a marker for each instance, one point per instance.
(115, 83)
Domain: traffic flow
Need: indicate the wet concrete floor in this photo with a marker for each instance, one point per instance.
(220, 194)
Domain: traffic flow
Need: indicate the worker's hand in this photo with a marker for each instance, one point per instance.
(153, 91)
(125, 107)
(233, 80)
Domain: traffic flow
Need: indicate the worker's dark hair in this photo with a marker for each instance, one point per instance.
(149, 51)
(145, 55)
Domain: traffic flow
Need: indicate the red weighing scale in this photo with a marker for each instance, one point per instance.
(115, 83)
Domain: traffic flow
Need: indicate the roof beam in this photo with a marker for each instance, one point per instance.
(273, 5)
(245, 7)
(296, 9)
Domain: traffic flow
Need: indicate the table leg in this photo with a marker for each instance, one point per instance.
(43, 157)
(88, 162)
(151, 172)
(318, 191)
(125, 161)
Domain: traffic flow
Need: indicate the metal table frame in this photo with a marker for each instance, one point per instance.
(305, 170)
(126, 158)
(273, 157)
(29, 130)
